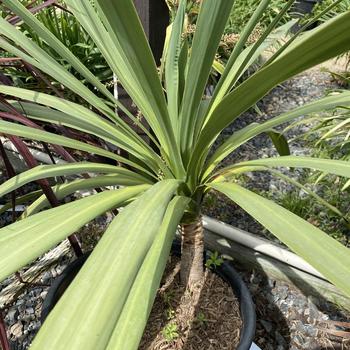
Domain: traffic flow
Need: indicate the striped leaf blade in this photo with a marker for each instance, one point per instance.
(211, 22)
(331, 166)
(254, 129)
(130, 326)
(47, 171)
(25, 240)
(65, 189)
(40, 135)
(327, 41)
(102, 286)
(324, 253)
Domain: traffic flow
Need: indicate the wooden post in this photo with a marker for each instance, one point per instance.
(154, 15)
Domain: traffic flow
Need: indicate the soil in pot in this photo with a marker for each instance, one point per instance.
(208, 319)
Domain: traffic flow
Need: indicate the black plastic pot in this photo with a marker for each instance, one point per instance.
(303, 7)
(300, 9)
(225, 271)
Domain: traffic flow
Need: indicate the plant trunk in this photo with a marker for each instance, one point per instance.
(192, 250)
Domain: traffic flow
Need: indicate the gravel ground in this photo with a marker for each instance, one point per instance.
(23, 314)
(22, 295)
(287, 319)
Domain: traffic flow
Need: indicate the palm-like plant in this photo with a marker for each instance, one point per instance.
(107, 305)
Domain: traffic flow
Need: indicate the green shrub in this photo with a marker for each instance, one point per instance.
(243, 9)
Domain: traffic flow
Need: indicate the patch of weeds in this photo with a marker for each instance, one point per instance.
(170, 313)
(168, 297)
(170, 332)
(214, 261)
(201, 319)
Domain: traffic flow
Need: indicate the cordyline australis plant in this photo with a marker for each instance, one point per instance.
(108, 304)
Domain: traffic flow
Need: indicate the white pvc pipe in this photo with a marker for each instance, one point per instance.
(259, 245)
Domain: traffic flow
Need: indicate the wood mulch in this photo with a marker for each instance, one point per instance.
(208, 319)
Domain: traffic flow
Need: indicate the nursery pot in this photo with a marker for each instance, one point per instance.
(300, 9)
(225, 271)
(303, 7)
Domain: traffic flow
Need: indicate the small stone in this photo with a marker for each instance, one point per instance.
(310, 330)
(307, 344)
(30, 310)
(283, 292)
(314, 313)
(284, 307)
(271, 283)
(267, 325)
(280, 340)
(324, 317)
(27, 318)
(37, 291)
(19, 302)
(16, 329)
(300, 327)
(46, 277)
(33, 326)
(298, 340)
(276, 297)
(12, 315)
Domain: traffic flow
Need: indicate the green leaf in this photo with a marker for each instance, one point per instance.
(308, 191)
(16, 7)
(331, 166)
(172, 70)
(229, 76)
(218, 67)
(279, 141)
(21, 200)
(101, 288)
(332, 130)
(130, 326)
(25, 240)
(40, 59)
(327, 41)
(286, 178)
(238, 65)
(78, 117)
(211, 22)
(39, 135)
(325, 254)
(254, 129)
(65, 189)
(183, 67)
(131, 59)
(46, 171)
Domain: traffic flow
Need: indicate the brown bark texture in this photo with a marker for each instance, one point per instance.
(192, 249)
